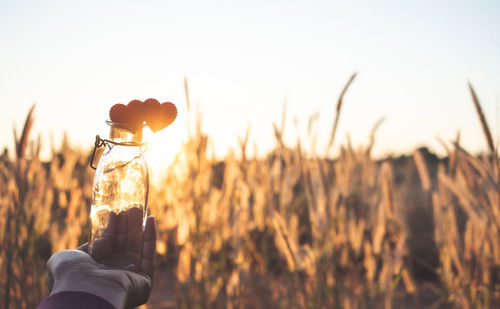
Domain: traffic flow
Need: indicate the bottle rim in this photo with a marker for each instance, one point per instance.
(133, 134)
(123, 125)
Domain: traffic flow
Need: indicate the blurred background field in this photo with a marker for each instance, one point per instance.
(291, 229)
(276, 187)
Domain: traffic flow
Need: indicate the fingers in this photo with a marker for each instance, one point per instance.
(103, 246)
(148, 247)
(110, 230)
(122, 231)
(134, 233)
(122, 240)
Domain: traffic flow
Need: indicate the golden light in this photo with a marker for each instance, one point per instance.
(162, 148)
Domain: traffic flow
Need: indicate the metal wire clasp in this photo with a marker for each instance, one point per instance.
(98, 143)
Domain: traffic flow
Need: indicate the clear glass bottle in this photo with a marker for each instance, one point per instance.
(121, 181)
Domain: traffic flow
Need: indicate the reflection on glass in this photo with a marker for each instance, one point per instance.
(121, 181)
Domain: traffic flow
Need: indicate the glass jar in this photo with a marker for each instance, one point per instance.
(121, 181)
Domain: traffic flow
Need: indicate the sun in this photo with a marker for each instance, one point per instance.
(162, 147)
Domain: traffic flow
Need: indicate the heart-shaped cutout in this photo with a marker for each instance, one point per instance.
(151, 108)
(118, 113)
(136, 112)
(162, 116)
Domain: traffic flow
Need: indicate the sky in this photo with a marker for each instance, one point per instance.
(244, 59)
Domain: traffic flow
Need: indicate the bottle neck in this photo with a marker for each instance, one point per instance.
(121, 135)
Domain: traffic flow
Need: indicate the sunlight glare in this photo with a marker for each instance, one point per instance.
(162, 148)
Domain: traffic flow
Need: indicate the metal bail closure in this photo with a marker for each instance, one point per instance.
(98, 143)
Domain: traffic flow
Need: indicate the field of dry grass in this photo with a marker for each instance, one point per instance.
(287, 230)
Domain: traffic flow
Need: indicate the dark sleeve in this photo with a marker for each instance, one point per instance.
(74, 300)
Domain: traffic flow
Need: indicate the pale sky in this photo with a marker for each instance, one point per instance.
(243, 58)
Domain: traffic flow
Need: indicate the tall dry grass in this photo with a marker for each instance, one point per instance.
(467, 213)
(286, 230)
(297, 231)
(43, 209)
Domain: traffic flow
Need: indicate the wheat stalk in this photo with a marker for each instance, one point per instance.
(23, 139)
(372, 135)
(486, 129)
(423, 172)
(337, 114)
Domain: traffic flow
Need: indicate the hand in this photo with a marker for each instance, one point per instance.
(117, 269)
